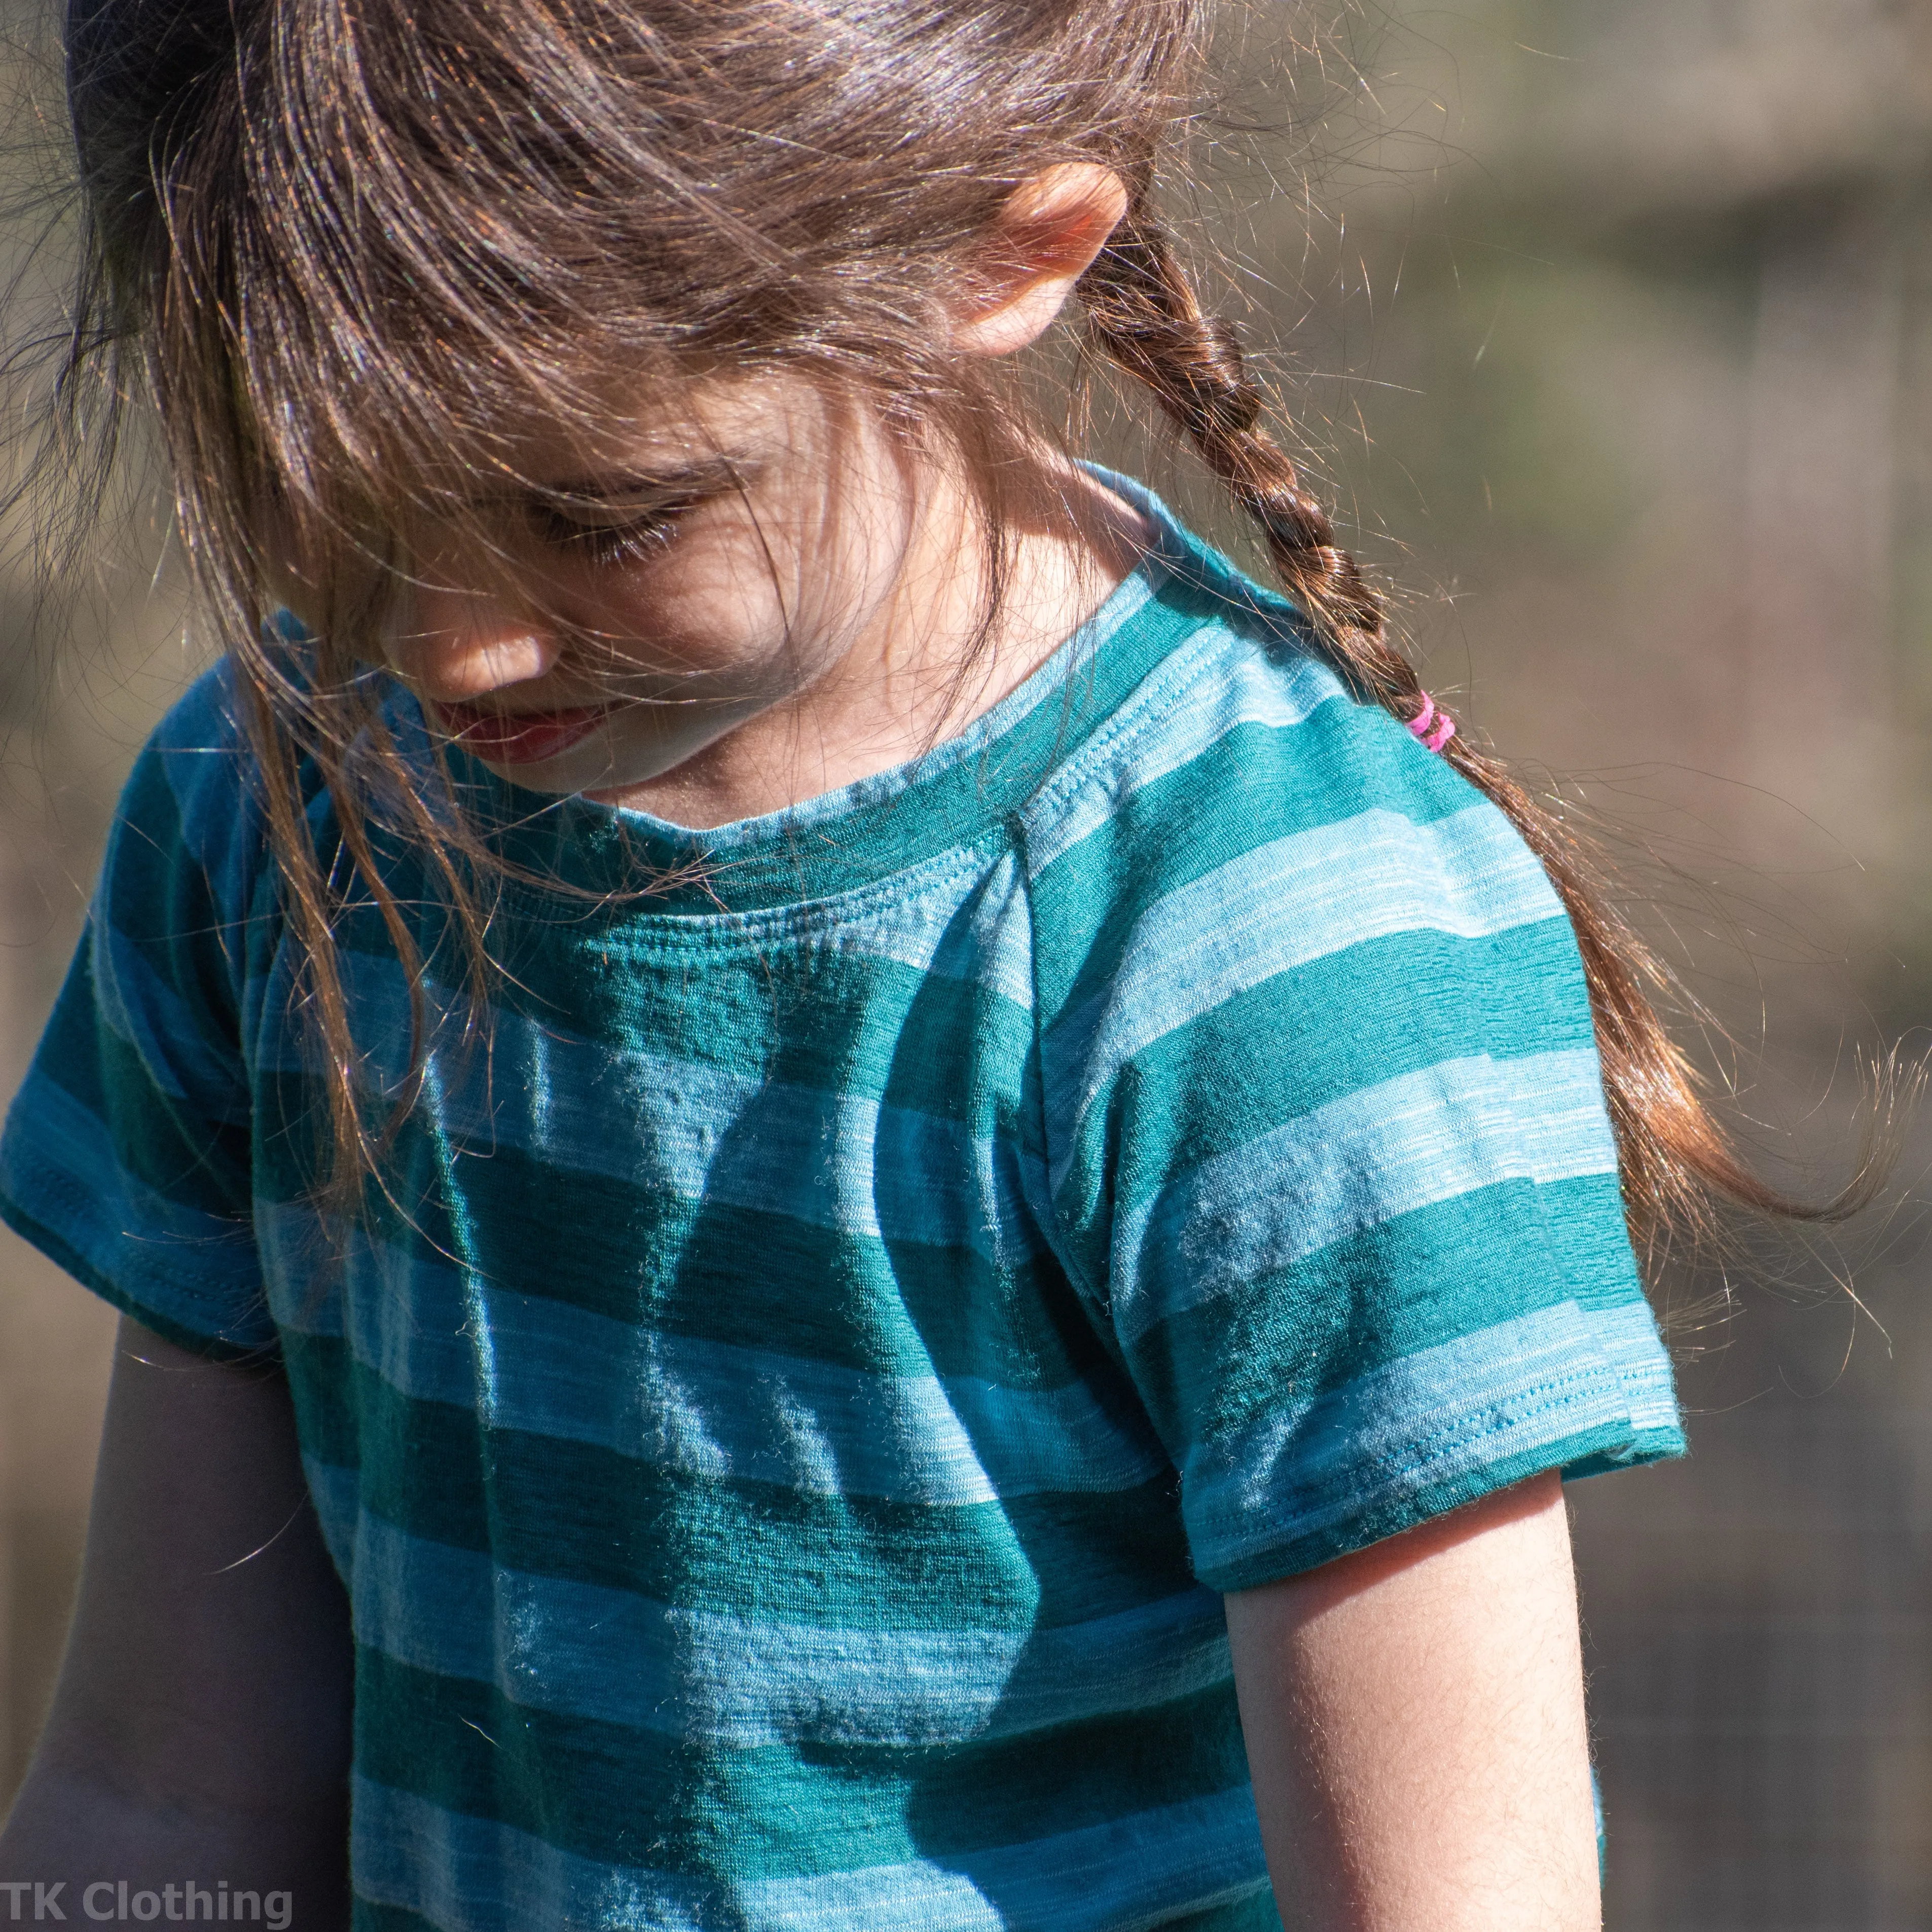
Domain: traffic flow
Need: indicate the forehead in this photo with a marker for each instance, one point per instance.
(653, 427)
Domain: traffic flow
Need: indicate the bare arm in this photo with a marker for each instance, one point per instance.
(1413, 1716)
(200, 1731)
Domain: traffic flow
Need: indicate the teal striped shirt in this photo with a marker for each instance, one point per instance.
(788, 1416)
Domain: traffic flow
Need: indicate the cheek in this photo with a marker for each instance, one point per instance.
(737, 592)
(719, 596)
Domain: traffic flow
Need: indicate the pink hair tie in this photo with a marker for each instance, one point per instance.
(1434, 728)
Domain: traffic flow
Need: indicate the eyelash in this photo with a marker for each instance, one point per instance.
(609, 545)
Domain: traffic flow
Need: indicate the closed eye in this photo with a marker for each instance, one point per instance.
(608, 534)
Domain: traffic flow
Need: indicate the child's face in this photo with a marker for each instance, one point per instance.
(661, 583)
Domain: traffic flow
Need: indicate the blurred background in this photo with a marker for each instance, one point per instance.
(1608, 326)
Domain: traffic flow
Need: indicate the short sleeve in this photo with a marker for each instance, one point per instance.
(1327, 1145)
(126, 1156)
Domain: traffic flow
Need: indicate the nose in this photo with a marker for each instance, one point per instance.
(453, 645)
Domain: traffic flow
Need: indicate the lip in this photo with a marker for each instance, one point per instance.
(519, 737)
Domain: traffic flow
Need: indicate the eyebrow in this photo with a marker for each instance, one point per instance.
(702, 476)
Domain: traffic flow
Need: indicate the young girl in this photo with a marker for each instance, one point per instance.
(847, 1194)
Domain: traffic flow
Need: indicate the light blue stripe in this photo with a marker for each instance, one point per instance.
(551, 1645)
(1127, 1875)
(830, 1158)
(709, 1408)
(467, 1874)
(1439, 1415)
(1627, 1336)
(982, 936)
(1415, 1142)
(470, 1874)
(199, 1270)
(1280, 906)
(1246, 685)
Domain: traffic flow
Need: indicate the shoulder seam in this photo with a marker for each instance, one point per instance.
(1063, 1249)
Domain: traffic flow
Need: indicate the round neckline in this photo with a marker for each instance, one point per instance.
(1057, 667)
(888, 822)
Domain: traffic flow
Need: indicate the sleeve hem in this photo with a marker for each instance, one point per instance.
(1587, 1453)
(211, 1348)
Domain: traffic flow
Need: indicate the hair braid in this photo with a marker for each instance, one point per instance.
(1143, 315)
(1677, 1161)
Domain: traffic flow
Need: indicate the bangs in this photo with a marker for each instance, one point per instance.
(397, 230)
(400, 272)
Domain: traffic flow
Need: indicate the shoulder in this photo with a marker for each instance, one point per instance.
(192, 794)
(1240, 800)
(188, 856)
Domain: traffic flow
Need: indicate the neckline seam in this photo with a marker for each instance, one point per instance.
(644, 926)
(1076, 656)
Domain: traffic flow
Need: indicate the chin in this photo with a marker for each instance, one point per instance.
(611, 762)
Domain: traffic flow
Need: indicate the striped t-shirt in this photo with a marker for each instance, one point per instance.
(787, 1419)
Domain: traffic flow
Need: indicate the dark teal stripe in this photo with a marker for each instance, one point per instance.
(164, 908)
(1415, 1282)
(327, 1426)
(1318, 1033)
(194, 1162)
(752, 1549)
(738, 1275)
(201, 1164)
(801, 1009)
(603, 1792)
(1257, 785)
(1255, 1913)
(36, 1234)
(69, 1054)
(366, 1916)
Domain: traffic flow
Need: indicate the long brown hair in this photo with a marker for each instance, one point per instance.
(336, 246)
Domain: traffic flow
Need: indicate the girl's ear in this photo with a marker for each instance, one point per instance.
(1047, 232)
